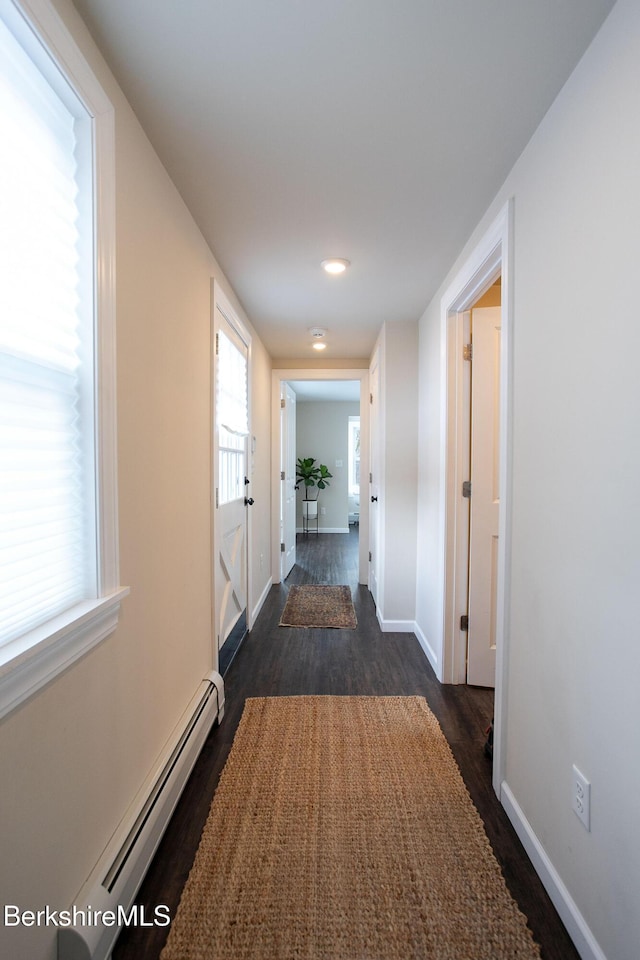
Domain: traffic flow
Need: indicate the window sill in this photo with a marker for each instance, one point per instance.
(36, 658)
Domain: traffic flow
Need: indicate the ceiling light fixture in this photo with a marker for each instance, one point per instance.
(335, 265)
(318, 334)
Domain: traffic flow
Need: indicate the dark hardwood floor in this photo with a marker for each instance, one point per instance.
(278, 661)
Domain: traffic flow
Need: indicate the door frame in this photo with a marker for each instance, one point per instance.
(285, 418)
(220, 301)
(492, 257)
(277, 376)
(375, 527)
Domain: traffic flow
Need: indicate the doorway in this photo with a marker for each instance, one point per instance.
(231, 483)
(320, 428)
(490, 259)
(482, 358)
(375, 445)
(341, 511)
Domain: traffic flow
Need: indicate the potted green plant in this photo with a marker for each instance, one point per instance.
(312, 474)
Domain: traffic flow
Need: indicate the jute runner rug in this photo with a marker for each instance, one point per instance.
(342, 830)
(318, 605)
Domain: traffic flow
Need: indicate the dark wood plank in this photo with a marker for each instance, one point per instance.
(277, 661)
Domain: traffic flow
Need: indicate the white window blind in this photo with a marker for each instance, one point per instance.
(47, 541)
(232, 417)
(232, 409)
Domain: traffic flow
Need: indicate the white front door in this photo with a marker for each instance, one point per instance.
(485, 495)
(287, 479)
(230, 459)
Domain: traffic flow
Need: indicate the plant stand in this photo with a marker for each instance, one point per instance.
(309, 515)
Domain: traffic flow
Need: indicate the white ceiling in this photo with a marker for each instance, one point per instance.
(376, 130)
(308, 391)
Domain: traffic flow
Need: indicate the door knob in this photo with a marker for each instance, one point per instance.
(248, 501)
(374, 499)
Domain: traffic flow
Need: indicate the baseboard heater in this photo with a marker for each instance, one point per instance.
(114, 882)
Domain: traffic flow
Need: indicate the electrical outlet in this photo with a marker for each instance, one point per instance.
(581, 797)
(323, 511)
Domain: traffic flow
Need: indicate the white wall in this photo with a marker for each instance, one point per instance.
(322, 433)
(398, 344)
(72, 758)
(574, 655)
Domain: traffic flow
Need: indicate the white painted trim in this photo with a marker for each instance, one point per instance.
(376, 526)
(43, 19)
(395, 626)
(261, 600)
(577, 927)
(427, 648)
(43, 653)
(37, 657)
(106, 399)
(318, 374)
(226, 309)
(492, 257)
(312, 533)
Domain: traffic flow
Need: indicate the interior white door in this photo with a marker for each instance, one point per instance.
(374, 485)
(485, 495)
(287, 479)
(231, 435)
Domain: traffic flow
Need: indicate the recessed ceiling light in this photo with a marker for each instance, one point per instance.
(335, 265)
(319, 346)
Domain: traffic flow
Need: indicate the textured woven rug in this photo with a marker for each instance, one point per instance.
(316, 605)
(341, 829)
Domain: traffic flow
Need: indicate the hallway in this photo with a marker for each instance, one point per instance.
(276, 661)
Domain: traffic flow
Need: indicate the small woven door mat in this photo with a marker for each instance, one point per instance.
(341, 829)
(319, 605)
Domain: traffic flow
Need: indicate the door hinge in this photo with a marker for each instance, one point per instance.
(370, 557)
(282, 548)
(217, 344)
(370, 398)
(467, 353)
(217, 503)
(370, 478)
(282, 474)
(283, 403)
(464, 622)
(466, 489)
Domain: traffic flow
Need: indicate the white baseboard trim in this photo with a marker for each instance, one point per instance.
(577, 927)
(395, 626)
(311, 533)
(428, 650)
(261, 599)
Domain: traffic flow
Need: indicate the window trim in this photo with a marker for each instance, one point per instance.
(34, 659)
(351, 462)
